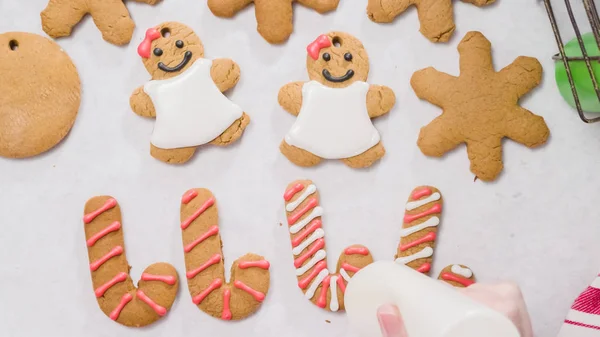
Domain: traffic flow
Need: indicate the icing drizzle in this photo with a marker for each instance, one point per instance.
(424, 253)
(256, 294)
(334, 305)
(161, 311)
(312, 250)
(216, 284)
(459, 270)
(114, 315)
(213, 230)
(207, 204)
(289, 194)
(408, 218)
(115, 226)
(293, 205)
(349, 267)
(322, 300)
(189, 196)
(118, 250)
(262, 264)
(312, 203)
(213, 260)
(226, 311)
(416, 204)
(314, 225)
(303, 283)
(451, 277)
(109, 204)
(427, 238)
(431, 222)
(418, 194)
(120, 277)
(168, 279)
(356, 250)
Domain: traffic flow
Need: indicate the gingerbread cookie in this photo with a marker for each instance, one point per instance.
(335, 108)
(40, 94)
(116, 294)
(250, 276)
(480, 107)
(185, 94)
(436, 16)
(457, 275)
(274, 17)
(321, 287)
(110, 16)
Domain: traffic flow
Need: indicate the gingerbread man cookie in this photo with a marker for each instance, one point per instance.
(436, 16)
(480, 107)
(250, 276)
(274, 17)
(40, 96)
(335, 108)
(114, 289)
(185, 94)
(110, 16)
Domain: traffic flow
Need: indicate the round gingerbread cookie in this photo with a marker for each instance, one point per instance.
(40, 94)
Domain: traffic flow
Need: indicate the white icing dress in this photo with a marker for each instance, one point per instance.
(190, 109)
(334, 123)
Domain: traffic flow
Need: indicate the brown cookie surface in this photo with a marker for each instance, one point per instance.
(117, 296)
(40, 94)
(480, 107)
(457, 275)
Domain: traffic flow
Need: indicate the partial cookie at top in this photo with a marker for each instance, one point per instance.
(40, 94)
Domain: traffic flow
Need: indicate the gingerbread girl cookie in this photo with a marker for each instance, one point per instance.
(274, 17)
(436, 16)
(480, 107)
(117, 296)
(186, 94)
(210, 291)
(335, 108)
(110, 16)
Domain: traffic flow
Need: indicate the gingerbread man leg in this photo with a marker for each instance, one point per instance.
(59, 17)
(437, 19)
(233, 133)
(205, 266)
(321, 6)
(172, 156)
(113, 20)
(227, 8)
(274, 19)
(486, 157)
(387, 10)
(298, 156)
(366, 159)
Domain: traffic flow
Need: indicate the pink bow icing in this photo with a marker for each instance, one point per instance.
(144, 47)
(315, 48)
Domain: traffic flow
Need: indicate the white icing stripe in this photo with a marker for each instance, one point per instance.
(458, 270)
(345, 275)
(432, 222)
(334, 305)
(319, 233)
(316, 212)
(426, 252)
(596, 283)
(293, 205)
(582, 317)
(416, 204)
(310, 292)
(320, 255)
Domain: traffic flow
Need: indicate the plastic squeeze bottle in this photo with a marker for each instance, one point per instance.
(429, 307)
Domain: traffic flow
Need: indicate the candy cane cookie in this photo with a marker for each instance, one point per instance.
(320, 286)
(457, 275)
(117, 296)
(205, 266)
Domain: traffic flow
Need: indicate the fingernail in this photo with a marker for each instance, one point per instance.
(390, 321)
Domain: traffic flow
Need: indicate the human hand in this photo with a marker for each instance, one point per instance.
(505, 298)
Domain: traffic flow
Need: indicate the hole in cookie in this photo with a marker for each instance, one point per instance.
(13, 45)
(337, 41)
(165, 32)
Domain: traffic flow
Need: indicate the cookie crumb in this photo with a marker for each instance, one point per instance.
(327, 321)
(475, 179)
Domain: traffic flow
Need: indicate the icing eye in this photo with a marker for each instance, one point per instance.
(326, 57)
(179, 44)
(348, 57)
(158, 51)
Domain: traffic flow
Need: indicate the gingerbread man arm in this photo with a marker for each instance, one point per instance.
(59, 17)
(290, 97)
(321, 6)
(225, 73)
(142, 104)
(433, 86)
(380, 100)
(149, 2)
(227, 8)
(387, 10)
(521, 76)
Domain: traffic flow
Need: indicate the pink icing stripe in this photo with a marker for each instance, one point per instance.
(356, 250)
(322, 300)
(208, 203)
(306, 281)
(349, 267)
(161, 311)
(262, 264)
(118, 250)
(213, 260)
(313, 226)
(189, 196)
(425, 192)
(226, 312)
(588, 301)
(214, 230)
(312, 203)
(425, 268)
(341, 284)
(110, 203)
(168, 279)
(289, 194)
(437, 208)
(115, 226)
(216, 284)
(320, 243)
(256, 294)
(427, 238)
(114, 315)
(451, 277)
(582, 325)
(120, 277)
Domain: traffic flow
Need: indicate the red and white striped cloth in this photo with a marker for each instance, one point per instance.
(583, 320)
